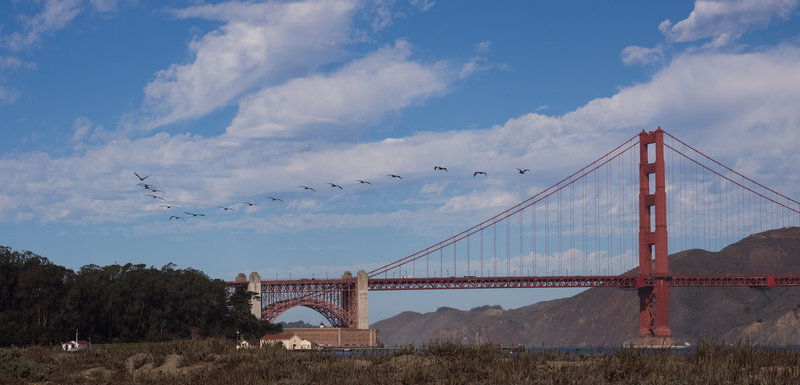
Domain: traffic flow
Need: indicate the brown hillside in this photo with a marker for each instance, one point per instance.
(607, 316)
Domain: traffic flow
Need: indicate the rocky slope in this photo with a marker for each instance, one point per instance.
(609, 316)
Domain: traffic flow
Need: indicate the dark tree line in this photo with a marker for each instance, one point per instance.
(44, 303)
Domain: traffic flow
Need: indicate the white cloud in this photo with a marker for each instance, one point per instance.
(726, 21)
(482, 47)
(423, 5)
(104, 5)
(10, 63)
(362, 91)
(56, 14)
(642, 55)
(382, 13)
(8, 95)
(486, 199)
(260, 44)
(473, 65)
(711, 100)
(84, 129)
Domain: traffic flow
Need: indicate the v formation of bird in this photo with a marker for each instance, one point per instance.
(154, 190)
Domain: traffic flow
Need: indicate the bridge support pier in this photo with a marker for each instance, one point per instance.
(653, 300)
(355, 300)
(255, 286)
(362, 300)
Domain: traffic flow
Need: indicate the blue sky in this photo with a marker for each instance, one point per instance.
(227, 102)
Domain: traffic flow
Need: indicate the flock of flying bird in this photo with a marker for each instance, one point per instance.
(154, 190)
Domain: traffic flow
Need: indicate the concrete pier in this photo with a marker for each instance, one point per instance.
(255, 286)
(362, 300)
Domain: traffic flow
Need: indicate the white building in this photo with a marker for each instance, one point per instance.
(75, 345)
(244, 344)
(289, 341)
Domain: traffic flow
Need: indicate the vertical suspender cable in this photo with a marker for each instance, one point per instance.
(596, 222)
(533, 235)
(609, 236)
(695, 229)
(454, 258)
(683, 205)
(546, 236)
(494, 246)
(520, 242)
(559, 231)
(508, 246)
(572, 227)
(621, 216)
(717, 226)
(584, 247)
(634, 201)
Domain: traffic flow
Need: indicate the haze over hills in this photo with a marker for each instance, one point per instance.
(610, 316)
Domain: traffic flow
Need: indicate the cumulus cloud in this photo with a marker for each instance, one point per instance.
(362, 91)
(711, 100)
(725, 21)
(55, 14)
(259, 45)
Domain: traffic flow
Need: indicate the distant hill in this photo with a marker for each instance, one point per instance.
(297, 324)
(609, 316)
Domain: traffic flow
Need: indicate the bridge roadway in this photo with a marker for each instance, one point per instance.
(304, 285)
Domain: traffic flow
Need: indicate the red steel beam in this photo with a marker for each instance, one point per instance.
(624, 281)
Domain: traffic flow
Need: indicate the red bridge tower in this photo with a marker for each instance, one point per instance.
(653, 259)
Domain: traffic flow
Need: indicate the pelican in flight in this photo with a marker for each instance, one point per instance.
(168, 206)
(141, 178)
(175, 217)
(363, 181)
(155, 196)
(440, 168)
(308, 188)
(250, 204)
(227, 208)
(395, 176)
(476, 173)
(521, 171)
(275, 199)
(194, 214)
(333, 185)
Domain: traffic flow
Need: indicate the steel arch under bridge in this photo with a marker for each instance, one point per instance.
(335, 299)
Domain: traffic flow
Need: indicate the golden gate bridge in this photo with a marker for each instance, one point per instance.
(613, 223)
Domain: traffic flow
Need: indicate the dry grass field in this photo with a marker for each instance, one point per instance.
(217, 362)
